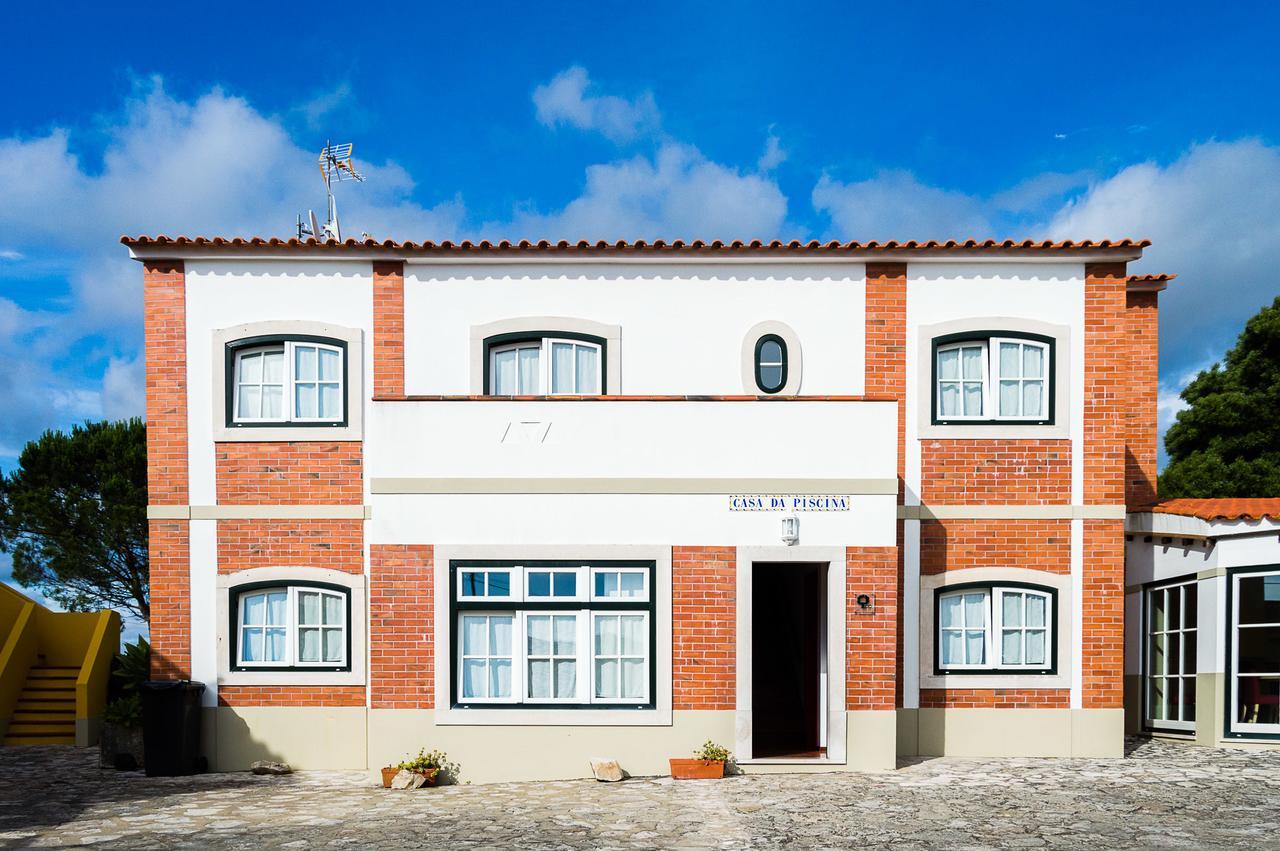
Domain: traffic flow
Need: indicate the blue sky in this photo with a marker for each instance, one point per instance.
(610, 120)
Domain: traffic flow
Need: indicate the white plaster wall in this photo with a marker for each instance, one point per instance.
(1261, 548)
(1154, 561)
(682, 325)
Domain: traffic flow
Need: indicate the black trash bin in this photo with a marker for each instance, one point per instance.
(171, 727)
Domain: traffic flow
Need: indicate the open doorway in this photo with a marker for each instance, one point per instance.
(788, 660)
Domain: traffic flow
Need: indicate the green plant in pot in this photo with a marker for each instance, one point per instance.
(708, 763)
(434, 766)
(120, 738)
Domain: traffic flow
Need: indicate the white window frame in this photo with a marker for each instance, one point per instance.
(1179, 634)
(544, 346)
(516, 587)
(517, 669)
(1236, 726)
(991, 377)
(292, 627)
(581, 653)
(993, 391)
(581, 580)
(647, 656)
(993, 648)
(597, 571)
(289, 390)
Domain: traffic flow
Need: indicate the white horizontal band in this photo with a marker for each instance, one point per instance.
(1011, 512)
(633, 486)
(259, 512)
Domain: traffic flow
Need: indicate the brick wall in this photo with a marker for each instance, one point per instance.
(291, 695)
(1142, 429)
(886, 352)
(164, 326)
(703, 627)
(335, 544)
(872, 641)
(308, 473)
(401, 626)
(995, 472)
(388, 328)
(1102, 597)
(987, 698)
(960, 544)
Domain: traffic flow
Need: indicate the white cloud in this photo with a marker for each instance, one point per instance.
(124, 389)
(773, 155)
(678, 193)
(9, 254)
(564, 100)
(895, 205)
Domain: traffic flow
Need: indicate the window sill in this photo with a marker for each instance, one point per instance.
(567, 717)
(291, 678)
(295, 433)
(993, 430)
(987, 679)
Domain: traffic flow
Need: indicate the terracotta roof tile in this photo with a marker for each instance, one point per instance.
(657, 246)
(1219, 509)
(1151, 279)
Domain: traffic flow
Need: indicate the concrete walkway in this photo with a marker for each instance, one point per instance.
(1163, 795)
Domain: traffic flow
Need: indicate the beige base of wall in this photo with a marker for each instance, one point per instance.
(1133, 720)
(87, 730)
(304, 737)
(1011, 732)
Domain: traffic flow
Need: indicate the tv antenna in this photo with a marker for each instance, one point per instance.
(335, 167)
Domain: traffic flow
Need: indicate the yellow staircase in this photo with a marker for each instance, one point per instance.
(54, 668)
(45, 713)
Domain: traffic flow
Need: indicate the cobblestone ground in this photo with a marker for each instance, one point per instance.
(1163, 795)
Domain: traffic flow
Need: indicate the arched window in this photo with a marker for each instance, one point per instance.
(771, 363)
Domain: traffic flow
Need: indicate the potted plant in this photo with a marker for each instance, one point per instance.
(707, 763)
(434, 767)
(120, 738)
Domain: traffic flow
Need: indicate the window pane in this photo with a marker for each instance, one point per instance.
(1012, 609)
(251, 368)
(473, 632)
(1157, 610)
(275, 647)
(975, 651)
(1260, 599)
(566, 678)
(304, 363)
(1011, 647)
(1032, 399)
(500, 635)
(634, 673)
(329, 363)
(566, 584)
(500, 678)
(473, 684)
(1032, 362)
(606, 678)
(1009, 361)
(330, 401)
(251, 645)
(1155, 698)
(504, 373)
(1035, 610)
(1173, 612)
(1036, 646)
(540, 584)
(500, 584)
(539, 678)
(588, 369)
(277, 603)
(950, 399)
(529, 377)
(309, 645)
(771, 377)
(975, 610)
(255, 609)
(273, 367)
(633, 637)
(1257, 699)
(566, 635)
(949, 363)
(971, 357)
(606, 584)
(606, 636)
(250, 403)
(1009, 393)
(949, 607)
(539, 627)
(770, 352)
(273, 401)
(334, 645)
(633, 585)
(305, 400)
(308, 607)
(972, 399)
(562, 368)
(1188, 653)
(1158, 643)
(472, 584)
(1189, 699)
(1190, 601)
(952, 647)
(1259, 649)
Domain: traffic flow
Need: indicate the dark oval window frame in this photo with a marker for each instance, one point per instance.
(229, 373)
(782, 345)
(233, 604)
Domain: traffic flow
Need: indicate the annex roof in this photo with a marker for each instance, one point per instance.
(1220, 509)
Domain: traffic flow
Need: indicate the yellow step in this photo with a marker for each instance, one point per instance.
(10, 741)
(57, 728)
(47, 692)
(46, 673)
(35, 703)
(36, 716)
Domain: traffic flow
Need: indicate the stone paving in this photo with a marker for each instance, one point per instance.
(1163, 795)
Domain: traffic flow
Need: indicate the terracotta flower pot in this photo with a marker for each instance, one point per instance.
(388, 774)
(431, 776)
(697, 769)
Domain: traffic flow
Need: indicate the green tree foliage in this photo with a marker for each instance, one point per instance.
(74, 515)
(1227, 443)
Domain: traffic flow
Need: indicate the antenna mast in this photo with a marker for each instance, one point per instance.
(335, 167)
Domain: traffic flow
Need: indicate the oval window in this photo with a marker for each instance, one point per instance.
(771, 363)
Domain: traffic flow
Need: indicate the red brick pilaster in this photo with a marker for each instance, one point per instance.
(401, 626)
(165, 330)
(388, 328)
(704, 627)
(1141, 311)
(872, 658)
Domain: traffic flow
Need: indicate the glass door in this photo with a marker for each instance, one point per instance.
(1171, 657)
